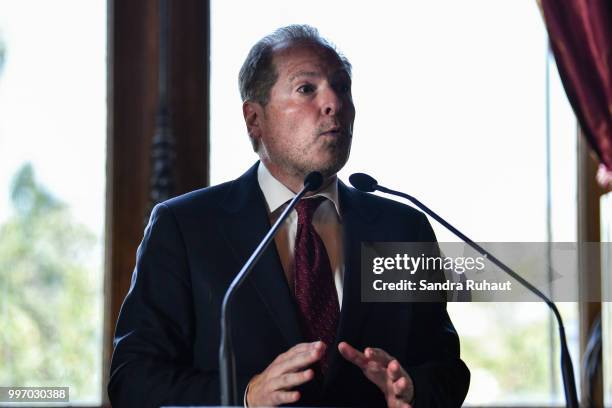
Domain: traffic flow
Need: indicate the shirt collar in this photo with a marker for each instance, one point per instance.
(277, 194)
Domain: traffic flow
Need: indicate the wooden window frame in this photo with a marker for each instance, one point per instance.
(133, 51)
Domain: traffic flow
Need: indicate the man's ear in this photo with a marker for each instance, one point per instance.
(253, 112)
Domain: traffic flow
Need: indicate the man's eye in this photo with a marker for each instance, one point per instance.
(306, 89)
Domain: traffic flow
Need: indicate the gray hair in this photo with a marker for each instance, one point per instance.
(258, 74)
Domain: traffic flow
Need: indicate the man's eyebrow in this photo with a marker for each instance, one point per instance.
(304, 74)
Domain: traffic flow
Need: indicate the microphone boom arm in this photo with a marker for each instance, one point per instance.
(567, 368)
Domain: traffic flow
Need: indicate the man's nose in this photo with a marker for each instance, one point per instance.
(332, 101)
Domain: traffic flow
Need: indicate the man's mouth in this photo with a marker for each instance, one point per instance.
(334, 131)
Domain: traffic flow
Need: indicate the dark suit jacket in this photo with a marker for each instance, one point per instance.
(167, 334)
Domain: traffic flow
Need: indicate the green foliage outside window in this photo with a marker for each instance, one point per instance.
(49, 294)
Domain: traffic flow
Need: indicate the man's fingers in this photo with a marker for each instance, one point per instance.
(298, 348)
(384, 371)
(284, 397)
(353, 355)
(378, 355)
(288, 381)
(393, 402)
(274, 385)
(298, 361)
(400, 387)
(394, 370)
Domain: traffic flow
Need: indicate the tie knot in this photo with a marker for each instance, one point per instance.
(306, 207)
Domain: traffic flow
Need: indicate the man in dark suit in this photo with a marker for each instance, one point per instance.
(301, 333)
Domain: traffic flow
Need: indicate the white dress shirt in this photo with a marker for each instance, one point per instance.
(326, 221)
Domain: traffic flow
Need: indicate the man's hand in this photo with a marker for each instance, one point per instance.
(384, 371)
(274, 385)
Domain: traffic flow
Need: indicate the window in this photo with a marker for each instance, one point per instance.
(454, 111)
(52, 176)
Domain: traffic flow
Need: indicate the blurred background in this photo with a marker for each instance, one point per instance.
(109, 107)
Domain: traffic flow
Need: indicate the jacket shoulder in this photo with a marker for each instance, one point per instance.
(202, 199)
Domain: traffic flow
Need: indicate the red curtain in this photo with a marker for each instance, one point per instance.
(580, 34)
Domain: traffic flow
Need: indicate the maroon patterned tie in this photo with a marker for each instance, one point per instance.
(315, 291)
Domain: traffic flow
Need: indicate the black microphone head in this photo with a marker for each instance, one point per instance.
(363, 182)
(313, 181)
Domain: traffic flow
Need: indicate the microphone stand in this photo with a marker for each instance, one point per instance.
(364, 182)
(227, 361)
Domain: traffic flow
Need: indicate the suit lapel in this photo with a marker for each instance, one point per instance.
(244, 225)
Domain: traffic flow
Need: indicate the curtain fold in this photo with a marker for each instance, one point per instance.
(580, 36)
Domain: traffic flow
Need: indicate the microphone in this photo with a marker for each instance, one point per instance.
(227, 362)
(363, 182)
(313, 181)
(366, 183)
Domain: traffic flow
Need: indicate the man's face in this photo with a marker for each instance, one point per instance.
(307, 124)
